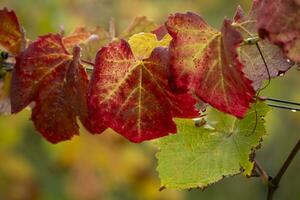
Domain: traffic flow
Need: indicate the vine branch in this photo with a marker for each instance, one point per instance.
(274, 182)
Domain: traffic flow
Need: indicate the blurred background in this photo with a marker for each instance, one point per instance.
(107, 166)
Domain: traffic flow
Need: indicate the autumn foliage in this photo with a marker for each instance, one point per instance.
(151, 80)
(149, 74)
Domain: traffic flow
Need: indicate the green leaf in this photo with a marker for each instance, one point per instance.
(198, 156)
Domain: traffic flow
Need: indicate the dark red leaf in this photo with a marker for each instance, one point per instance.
(278, 20)
(57, 83)
(132, 96)
(205, 62)
(255, 68)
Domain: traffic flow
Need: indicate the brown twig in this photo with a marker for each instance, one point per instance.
(274, 182)
(262, 173)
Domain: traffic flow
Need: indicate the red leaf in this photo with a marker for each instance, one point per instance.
(278, 20)
(205, 62)
(10, 31)
(132, 96)
(160, 32)
(46, 74)
(37, 61)
(255, 68)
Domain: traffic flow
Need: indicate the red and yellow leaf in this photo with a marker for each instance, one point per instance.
(57, 83)
(255, 68)
(205, 62)
(132, 96)
(10, 31)
(279, 21)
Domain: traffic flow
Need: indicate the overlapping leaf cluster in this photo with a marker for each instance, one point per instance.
(148, 75)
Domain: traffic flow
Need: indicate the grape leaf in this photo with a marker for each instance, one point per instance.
(37, 61)
(132, 96)
(138, 25)
(255, 68)
(142, 44)
(10, 31)
(46, 74)
(205, 62)
(89, 40)
(160, 32)
(279, 22)
(199, 156)
(80, 35)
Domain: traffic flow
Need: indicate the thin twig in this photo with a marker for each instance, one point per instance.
(266, 66)
(87, 62)
(294, 109)
(262, 173)
(112, 28)
(283, 101)
(274, 182)
(261, 89)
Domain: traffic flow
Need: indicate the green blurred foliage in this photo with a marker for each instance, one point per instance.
(107, 166)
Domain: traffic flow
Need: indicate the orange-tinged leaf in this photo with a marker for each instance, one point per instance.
(80, 35)
(46, 74)
(132, 96)
(205, 62)
(279, 21)
(10, 31)
(255, 68)
(89, 40)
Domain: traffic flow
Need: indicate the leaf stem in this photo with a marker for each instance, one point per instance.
(262, 173)
(266, 66)
(274, 182)
(112, 28)
(87, 62)
(89, 67)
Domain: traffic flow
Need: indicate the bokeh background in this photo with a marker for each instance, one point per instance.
(107, 166)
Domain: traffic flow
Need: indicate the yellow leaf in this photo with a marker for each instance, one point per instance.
(142, 44)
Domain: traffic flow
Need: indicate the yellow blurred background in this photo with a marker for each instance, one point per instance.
(107, 166)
